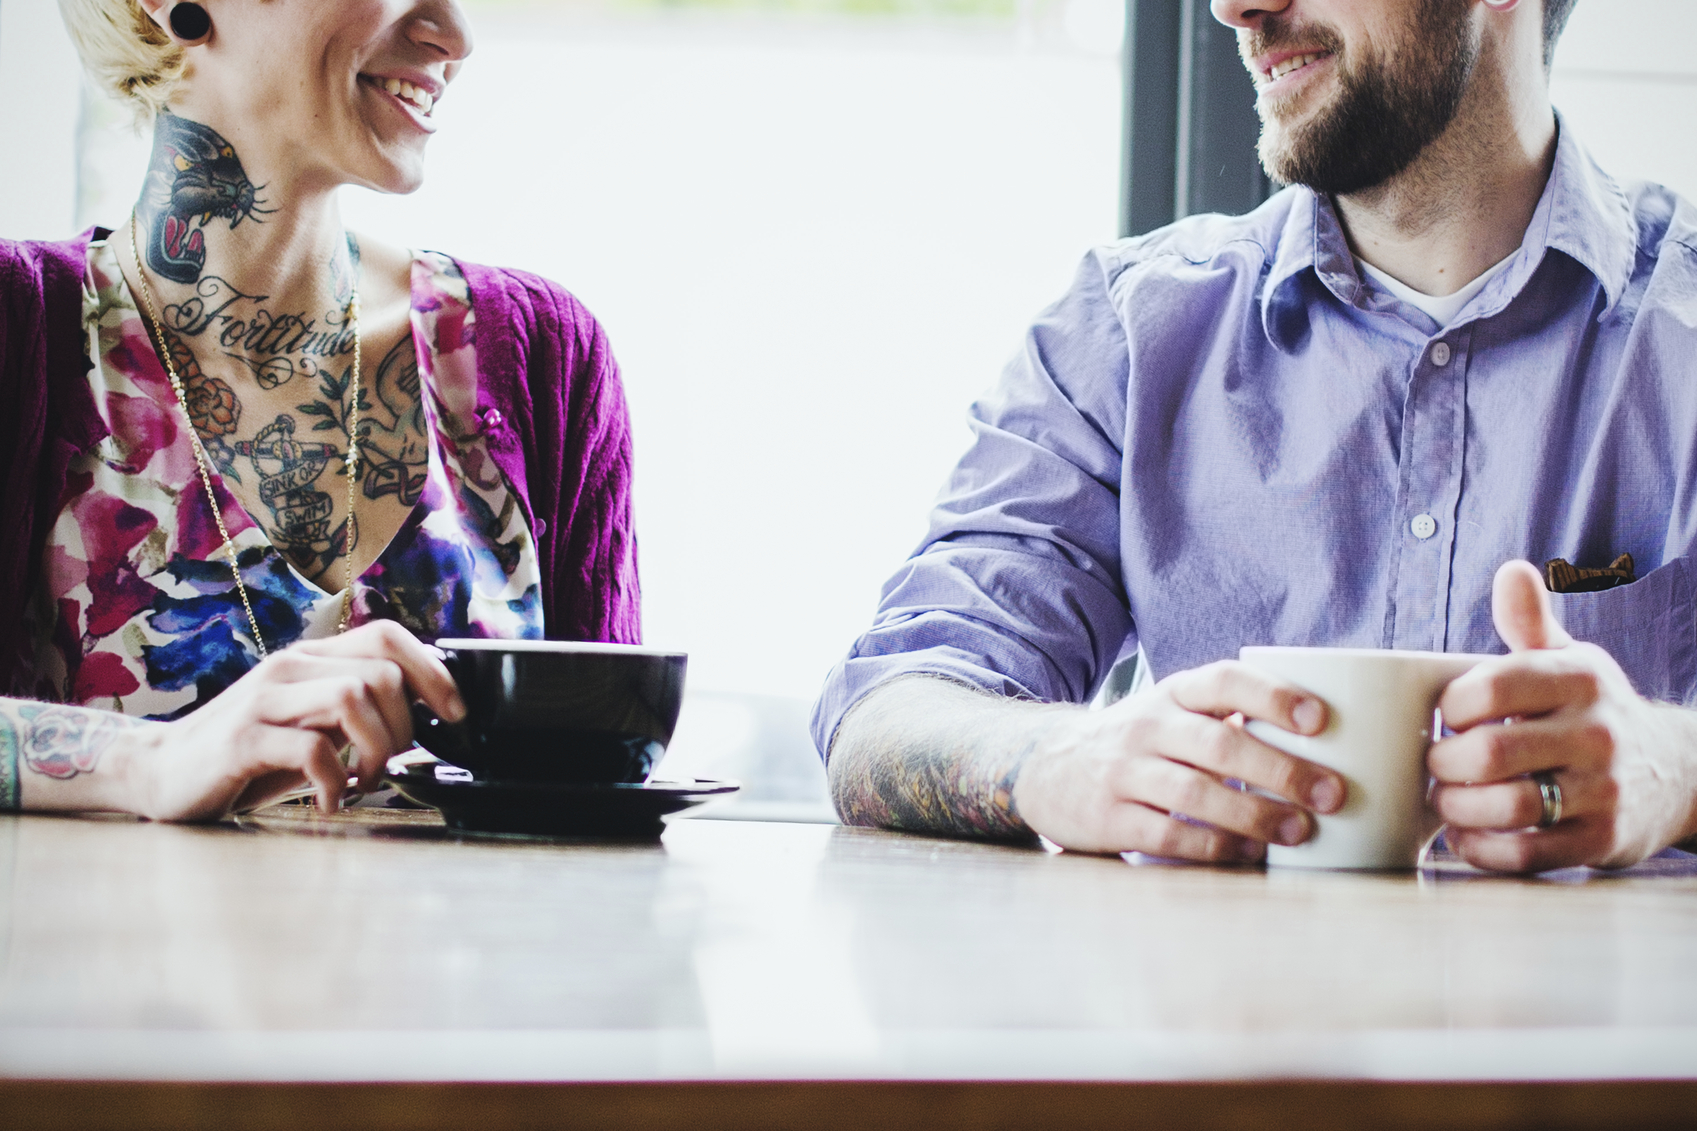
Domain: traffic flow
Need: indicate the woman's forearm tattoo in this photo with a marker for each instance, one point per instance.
(56, 741)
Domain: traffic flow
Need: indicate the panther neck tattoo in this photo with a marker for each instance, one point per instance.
(193, 179)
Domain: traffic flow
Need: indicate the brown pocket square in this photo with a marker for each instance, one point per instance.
(1562, 576)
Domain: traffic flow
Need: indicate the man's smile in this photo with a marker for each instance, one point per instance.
(1277, 73)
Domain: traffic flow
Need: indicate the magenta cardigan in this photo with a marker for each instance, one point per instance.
(549, 396)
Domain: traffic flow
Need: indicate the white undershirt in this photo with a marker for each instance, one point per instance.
(1441, 309)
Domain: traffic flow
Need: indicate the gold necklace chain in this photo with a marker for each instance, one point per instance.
(200, 461)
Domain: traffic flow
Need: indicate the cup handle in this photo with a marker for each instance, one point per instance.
(430, 731)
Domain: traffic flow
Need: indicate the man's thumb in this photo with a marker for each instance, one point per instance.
(1520, 606)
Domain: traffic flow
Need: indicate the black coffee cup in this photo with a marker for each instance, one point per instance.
(557, 711)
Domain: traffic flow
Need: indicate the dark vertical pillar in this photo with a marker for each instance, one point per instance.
(1190, 123)
(1225, 172)
(1149, 156)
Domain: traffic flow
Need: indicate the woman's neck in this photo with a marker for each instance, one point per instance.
(265, 271)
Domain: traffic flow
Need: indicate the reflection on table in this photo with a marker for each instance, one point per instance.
(377, 946)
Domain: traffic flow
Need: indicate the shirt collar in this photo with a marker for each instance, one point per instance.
(1582, 213)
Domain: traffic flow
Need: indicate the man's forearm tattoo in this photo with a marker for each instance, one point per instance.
(57, 741)
(912, 786)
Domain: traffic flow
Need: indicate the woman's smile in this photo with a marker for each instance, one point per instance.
(413, 94)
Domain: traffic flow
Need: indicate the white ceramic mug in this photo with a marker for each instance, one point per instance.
(1381, 708)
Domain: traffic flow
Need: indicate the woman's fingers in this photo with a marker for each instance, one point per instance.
(322, 764)
(266, 788)
(385, 678)
(287, 755)
(208, 776)
(348, 707)
(286, 722)
(421, 666)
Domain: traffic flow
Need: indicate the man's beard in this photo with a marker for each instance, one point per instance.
(1386, 110)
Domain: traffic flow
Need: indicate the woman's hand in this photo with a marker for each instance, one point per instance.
(286, 722)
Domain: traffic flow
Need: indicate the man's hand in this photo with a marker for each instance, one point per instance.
(1627, 767)
(1112, 780)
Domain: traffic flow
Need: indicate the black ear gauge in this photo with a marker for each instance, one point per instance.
(190, 23)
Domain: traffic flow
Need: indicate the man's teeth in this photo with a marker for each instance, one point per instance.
(1289, 65)
(417, 95)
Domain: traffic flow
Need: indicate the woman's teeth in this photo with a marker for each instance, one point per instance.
(1292, 64)
(417, 95)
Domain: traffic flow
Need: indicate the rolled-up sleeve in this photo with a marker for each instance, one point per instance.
(1017, 588)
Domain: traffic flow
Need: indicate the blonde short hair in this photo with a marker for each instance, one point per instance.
(125, 52)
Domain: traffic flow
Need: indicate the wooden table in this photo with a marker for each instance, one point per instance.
(375, 971)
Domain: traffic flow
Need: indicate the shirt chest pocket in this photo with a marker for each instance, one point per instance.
(1649, 627)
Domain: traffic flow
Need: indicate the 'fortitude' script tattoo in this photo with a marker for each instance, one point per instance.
(61, 742)
(194, 178)
(276, 347)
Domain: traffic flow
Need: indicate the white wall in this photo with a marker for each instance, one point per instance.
(812, 247)
(1626, 80)
(39, 82)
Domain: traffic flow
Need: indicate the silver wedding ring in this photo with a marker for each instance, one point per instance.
(1549, 791)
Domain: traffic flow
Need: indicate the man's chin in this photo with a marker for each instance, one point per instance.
(1277, 152)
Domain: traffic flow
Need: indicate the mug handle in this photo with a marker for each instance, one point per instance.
(448, 741)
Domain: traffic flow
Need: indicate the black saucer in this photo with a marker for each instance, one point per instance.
(544, 809)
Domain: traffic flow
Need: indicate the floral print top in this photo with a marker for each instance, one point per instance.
(137, 610)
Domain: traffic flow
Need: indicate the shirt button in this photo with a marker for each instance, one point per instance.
(1423, 526)
(1441, 354)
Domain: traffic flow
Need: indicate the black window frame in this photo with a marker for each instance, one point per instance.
(1190, 125)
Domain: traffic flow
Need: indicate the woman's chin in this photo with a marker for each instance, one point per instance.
(396, 175)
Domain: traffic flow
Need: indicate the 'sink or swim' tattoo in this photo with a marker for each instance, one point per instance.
(194, 178)
(289, 470)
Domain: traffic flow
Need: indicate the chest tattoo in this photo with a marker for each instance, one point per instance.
(288, 471)
(271, 356)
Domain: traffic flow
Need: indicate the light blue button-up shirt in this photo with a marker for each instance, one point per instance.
(1223, 435)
